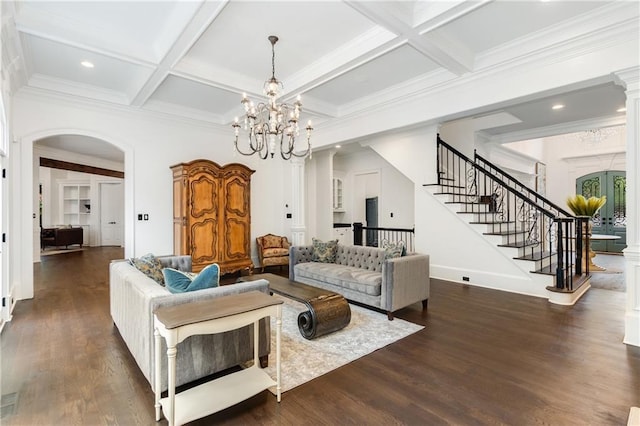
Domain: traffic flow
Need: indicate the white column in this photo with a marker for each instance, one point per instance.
(630, 79)
(298, 228)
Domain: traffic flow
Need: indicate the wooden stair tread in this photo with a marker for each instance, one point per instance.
(520, 244)
(505, 233)
(491, 223)
(536, 256)
(578, 282)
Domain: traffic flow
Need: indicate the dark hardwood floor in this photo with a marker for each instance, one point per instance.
(485, 357)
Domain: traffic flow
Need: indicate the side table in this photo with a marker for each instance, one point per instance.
(176, 323)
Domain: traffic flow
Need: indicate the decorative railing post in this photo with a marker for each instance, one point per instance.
(580, 234)
(560, 284)
(357, 233)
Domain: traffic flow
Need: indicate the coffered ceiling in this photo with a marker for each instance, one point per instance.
(195, 58)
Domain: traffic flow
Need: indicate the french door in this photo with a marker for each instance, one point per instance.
(611, 219)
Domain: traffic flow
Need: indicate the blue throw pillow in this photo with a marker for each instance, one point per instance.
(181, 282)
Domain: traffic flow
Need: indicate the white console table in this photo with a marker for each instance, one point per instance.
(176, 323)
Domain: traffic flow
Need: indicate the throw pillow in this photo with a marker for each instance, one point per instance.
(324, 252)
(181, 282)
(393, 249)
(150, 266)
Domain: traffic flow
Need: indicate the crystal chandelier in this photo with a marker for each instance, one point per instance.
(595, 136)
(270, 123)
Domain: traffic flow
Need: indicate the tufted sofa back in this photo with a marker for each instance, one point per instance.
(368, 258)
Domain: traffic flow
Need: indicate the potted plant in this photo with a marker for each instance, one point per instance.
(580, 206)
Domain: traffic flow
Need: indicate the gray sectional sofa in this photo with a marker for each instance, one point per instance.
(134, 297)
(364, 275)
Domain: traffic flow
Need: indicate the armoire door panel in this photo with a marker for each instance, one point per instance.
(236, 241)
(203, 196)
(237, 196)
(204, 241)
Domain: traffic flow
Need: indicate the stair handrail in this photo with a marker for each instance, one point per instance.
(564, 274)
(546, 212)
(523, 186)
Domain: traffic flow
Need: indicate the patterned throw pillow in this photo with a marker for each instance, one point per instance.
(150, 266)
(181, 282)
(393, 249)
(324, 252)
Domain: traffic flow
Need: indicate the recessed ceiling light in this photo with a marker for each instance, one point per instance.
(557, 106)
(623, 109)
(338, 146)
(87, 64)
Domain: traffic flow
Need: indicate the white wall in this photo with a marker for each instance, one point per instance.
(367, 174)
(151, 144)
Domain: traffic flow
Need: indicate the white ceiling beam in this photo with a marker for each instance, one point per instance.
(361, 50)
(205, 15)
(448, 55)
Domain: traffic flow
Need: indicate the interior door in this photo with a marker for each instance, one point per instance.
(611, 219)
(111, 213)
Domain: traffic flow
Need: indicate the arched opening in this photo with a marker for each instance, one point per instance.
(25, 221)
(80, 193)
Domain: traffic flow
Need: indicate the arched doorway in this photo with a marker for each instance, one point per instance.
(23, 248)
(611, 219)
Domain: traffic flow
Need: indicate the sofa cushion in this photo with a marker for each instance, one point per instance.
(150, 266)
(324, 252)
(361, 280)
(182, 282)
(275, 252)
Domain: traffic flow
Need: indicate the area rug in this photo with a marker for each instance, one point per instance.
(303, 360)
(60, 251)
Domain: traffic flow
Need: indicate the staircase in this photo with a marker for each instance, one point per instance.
(536, 234)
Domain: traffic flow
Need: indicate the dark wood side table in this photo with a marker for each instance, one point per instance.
(328, 311)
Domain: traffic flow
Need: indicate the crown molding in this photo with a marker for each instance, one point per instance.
(559, 129)
(126, 111)
(606, 23)
(77, 89)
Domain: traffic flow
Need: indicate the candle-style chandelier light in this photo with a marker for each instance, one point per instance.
(269, 124)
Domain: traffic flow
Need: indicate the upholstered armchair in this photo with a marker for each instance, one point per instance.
(273, 250)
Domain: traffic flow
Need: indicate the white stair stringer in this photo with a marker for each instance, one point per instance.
(474, 221)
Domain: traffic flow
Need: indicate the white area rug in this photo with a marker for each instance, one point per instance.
(303, 360)
(50, 252)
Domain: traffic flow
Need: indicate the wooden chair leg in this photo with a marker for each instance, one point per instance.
(425, 302)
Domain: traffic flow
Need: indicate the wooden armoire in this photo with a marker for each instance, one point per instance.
(212, 214)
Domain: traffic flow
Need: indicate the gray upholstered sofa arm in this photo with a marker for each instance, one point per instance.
(404, 280)
(298, 254)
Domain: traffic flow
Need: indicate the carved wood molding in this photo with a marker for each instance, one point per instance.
(65, 165)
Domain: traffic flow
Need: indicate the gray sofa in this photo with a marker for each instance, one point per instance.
(363, 275)
(134, 297)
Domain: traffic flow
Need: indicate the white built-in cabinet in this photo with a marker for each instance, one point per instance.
(344, 235)
(338, 196)
(76, 207)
